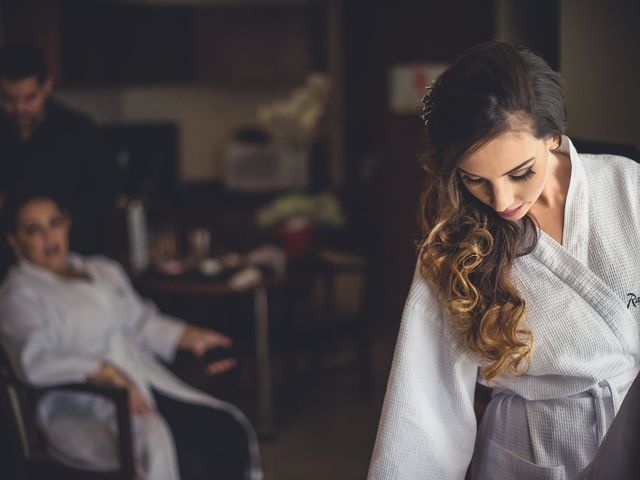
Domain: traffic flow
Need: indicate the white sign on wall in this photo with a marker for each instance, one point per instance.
(408, 83)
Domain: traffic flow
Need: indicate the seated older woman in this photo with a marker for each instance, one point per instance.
(66, 318)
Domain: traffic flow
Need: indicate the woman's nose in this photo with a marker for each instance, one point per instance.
(47, 235)
(501, 198)
(22, 106)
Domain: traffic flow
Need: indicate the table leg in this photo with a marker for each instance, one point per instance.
(265, 407)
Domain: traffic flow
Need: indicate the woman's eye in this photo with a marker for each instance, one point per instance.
(31, 230)
(472, 181)
(524, 177)
(57, 222)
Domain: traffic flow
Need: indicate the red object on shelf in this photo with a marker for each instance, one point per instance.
(297, 241)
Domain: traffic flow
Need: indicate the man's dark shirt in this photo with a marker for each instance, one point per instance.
(65, 155)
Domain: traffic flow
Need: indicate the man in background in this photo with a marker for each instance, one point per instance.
(45, 142)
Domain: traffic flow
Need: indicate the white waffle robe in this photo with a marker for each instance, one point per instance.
(58, 330)
(583, 307)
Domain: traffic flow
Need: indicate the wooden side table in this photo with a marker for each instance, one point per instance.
(156, 285)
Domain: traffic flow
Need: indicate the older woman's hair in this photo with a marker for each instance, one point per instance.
(467, 250)
(20, 196)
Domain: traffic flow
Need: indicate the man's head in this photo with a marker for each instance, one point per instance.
(25, 85)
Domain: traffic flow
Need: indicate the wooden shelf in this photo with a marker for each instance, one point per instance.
(105, 44)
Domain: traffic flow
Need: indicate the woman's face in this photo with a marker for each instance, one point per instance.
(509, 172)
(42, 234)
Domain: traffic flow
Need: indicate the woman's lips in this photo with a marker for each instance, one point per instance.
(510, 213)
(52, 250)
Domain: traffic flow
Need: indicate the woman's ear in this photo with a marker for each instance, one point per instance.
(554, 142)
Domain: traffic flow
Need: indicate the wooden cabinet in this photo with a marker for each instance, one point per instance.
(253, 46)
(101, 43)
(111, 43)
(383, 148)
(34, 21)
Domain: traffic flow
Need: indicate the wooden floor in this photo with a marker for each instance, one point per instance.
(330, 430)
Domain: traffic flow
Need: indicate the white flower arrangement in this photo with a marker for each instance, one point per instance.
(293, 121)
(322, 210)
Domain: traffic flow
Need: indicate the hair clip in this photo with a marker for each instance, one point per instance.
(427, 105)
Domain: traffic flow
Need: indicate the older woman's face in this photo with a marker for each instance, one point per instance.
(42, 234)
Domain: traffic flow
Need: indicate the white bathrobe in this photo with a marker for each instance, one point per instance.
(57, 330)
(582, 309)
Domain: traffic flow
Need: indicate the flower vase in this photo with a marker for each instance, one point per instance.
(297, 237)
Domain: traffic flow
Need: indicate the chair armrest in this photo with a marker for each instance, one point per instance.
(120, 398)
(109, 391)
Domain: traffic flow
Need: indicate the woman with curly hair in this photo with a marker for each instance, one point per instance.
(526, 282)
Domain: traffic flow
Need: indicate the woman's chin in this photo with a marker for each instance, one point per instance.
(55, 265)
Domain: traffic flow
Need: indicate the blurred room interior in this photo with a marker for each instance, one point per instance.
(267, 178)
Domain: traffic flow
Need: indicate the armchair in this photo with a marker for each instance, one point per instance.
(25, 445)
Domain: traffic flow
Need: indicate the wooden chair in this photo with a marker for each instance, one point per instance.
(25, 447)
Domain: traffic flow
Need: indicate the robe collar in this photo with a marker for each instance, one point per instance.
(576, 210)
(31, 269)
(569, 261)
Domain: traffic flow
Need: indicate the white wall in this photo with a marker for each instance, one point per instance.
(600, 62)
(205, 116)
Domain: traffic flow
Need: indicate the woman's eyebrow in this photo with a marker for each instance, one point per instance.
(30, 221)
(515, 169)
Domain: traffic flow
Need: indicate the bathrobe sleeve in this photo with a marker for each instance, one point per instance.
(40, 350)
(150, 329)
(428, 426)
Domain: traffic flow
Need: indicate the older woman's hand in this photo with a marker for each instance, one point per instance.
(111, 375)
(198, 340)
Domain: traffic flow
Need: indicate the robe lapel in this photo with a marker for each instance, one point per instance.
(569, 261)
(576, 210)
(590, 287)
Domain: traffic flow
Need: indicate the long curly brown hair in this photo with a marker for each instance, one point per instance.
(467, 250)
